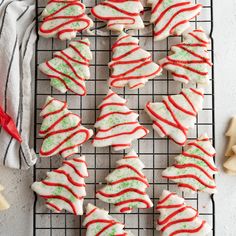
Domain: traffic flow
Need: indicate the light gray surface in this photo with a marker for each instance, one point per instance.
(17, 221)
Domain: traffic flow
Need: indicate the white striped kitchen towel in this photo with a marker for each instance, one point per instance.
(17, 39)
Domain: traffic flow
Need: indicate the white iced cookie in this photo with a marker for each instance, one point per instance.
(231, 133)
(126, 187)
(230, 163)
(99, 223)
(171, 17)
(195, 167)
(176, 218)
(190, 60)
(176, 114)
(61, 130)
(120, 15)
(4, 205)
(131, 65)
(64, 188)
(69, 68)
(117, 125)
(63, 19)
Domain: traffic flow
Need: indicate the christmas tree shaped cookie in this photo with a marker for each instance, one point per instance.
(176, 218)
(4, 205)
(64, 188)
(172, 17)
(98, 222)
(69, 68)
(61, 130)
(230, 163)
(120, 15)
(117, 125)
(176, 114)
(126, 187)
(131, 65)
(190, 60)
(63, 19)
(195, 167)
(231, 134)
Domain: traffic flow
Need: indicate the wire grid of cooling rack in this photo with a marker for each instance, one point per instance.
(156, 153)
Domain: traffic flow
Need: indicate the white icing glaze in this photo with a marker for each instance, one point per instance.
(63, 19)
(176, 114)
(120, 15)
(64, 188)
(126, 185)
(195, 167)
(176, 218)
(117, 124)
(131, 65)
(99, 223)
(69, 68)
(172, 17)
(61, 130)
(190, 60)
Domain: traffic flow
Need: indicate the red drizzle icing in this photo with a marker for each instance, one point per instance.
(194, 50)
(50, 182)
(125, 17)
(73, 81)
(105, 223)
(133, 201)
(107, 133)
(176, 123)
(174, 217)
(65, 22)
(139, 69)
(54, 131)
(170, 16)
(200, 170)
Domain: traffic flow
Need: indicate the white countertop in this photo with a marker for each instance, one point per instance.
(18, 219)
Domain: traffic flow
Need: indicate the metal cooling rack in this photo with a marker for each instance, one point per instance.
(156, 153)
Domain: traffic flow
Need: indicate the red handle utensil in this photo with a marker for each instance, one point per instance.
(9, 125)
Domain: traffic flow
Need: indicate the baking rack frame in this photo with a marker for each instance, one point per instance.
(51, 229)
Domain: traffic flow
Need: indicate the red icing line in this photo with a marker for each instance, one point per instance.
(69, 178)
(130, 179)
(174, 16)
(177, 124)
(202, 149)
(131, 168)
(183, 185)
(190, 165)
(90, 213)
(129, 18)
(53, 206)
(42, 132)
(52, 184)
(62, 199)
(70, 19)
(114, 126)
(48, 153)
(54, 112)
(171, 223)
(133, 200)
(122, 192)
(124, 133)
(181, 231)
(67, 76)
(115, 113)
(200, 158)
(166, 198)
(119, 104)
(75, 169)
(192, 177)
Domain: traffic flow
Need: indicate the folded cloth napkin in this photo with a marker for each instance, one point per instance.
(17, 39)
